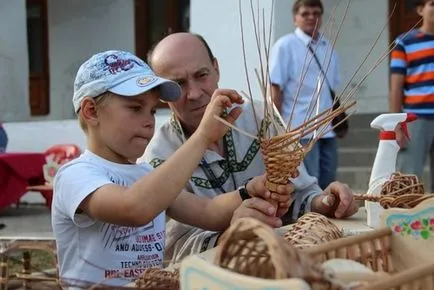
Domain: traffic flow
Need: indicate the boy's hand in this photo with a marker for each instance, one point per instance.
(256, 188)
(259, 207)
(401, 139)
(212, 129)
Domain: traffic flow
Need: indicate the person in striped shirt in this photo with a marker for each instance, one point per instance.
(412, 90)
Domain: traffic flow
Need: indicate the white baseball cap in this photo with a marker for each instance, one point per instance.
(122, 73)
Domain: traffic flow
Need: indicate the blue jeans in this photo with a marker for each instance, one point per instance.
(3, 139)
(411, 160)
(322, 161)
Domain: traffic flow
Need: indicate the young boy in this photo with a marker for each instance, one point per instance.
(108, 213)
(412, 91)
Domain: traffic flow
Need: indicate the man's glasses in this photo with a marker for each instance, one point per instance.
(314, 14)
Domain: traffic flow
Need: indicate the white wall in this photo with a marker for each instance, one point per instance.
(364, 22)
(218, 22)
(37, 136)
(14, 74)
(78, 29)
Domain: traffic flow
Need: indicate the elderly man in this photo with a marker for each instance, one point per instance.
(187, 59)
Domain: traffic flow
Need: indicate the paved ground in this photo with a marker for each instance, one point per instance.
(26, 220)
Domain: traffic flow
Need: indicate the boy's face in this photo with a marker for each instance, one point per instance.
(125, 125)
(426, 11)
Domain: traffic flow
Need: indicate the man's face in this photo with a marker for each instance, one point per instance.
(308, 19)
(198, 76)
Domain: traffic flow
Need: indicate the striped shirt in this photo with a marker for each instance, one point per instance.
(413, 57)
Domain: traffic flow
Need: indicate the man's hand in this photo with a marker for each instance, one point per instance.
(336, 201)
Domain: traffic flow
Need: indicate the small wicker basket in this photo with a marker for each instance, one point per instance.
(312, 229)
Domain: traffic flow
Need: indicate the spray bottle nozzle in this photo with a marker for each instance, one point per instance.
(410, 118)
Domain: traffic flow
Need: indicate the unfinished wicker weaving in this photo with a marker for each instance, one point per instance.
(401, 191)
(312, 229)
(400, 184)
(281, 159)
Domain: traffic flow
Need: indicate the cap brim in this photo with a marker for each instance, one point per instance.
(170, 91)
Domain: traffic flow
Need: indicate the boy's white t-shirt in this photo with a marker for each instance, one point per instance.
(94, 251)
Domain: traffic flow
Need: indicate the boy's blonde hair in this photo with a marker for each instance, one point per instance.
(100, 101)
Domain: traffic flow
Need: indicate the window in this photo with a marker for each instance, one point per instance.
(37, 42)
(154, 19)
(403, 18)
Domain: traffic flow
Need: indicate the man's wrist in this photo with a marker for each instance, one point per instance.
(319, 205)
(312, 204)
(244, 193)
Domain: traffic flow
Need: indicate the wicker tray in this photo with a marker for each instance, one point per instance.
(402, 253)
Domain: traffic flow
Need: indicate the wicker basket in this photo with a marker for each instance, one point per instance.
(312, 229)
(27, 277)
(251, 248)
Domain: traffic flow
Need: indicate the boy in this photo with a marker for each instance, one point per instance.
(412, 91)
(108, 213)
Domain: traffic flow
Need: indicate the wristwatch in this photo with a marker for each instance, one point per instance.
(243, 190)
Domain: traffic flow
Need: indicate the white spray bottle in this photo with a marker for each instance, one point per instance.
(385, 159)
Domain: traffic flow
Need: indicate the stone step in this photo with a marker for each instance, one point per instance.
(354, 157)
(358, 178)
(360, 138)
(361, 121)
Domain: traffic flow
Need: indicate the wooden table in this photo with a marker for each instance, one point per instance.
(17, 171)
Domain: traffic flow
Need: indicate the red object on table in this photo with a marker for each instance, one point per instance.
(17, 172)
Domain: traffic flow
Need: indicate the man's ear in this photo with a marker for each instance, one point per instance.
(215, 64)
(88, 111)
